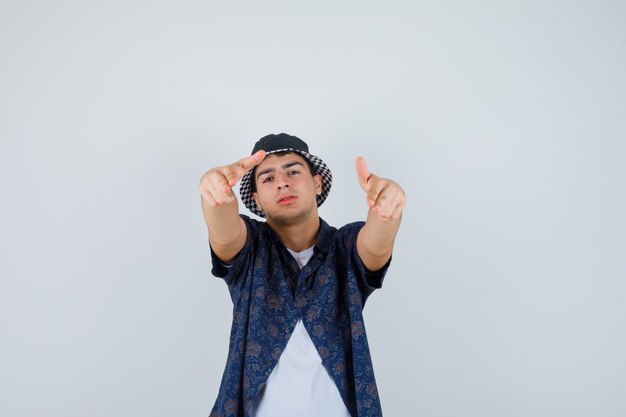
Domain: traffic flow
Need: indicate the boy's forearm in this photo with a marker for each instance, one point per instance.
(376, 239)
(226, 229)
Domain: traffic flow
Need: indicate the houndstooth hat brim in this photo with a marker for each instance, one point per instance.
(245, 186)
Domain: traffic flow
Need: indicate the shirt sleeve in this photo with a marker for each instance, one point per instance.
(234, 271)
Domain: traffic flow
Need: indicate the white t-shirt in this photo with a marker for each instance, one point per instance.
(299, 385)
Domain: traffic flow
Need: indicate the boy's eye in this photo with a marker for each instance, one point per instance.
(294, 172)
(268, 179)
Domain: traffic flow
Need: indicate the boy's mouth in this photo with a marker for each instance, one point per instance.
(286, 199)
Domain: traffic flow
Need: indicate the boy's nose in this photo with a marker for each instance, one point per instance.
(282, 181)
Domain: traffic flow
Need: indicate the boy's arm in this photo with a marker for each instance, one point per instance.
(386, 200)
(227, 231)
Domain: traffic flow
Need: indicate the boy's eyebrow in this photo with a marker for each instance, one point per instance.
(285, 166)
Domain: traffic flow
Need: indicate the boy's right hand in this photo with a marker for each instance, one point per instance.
(216, 184)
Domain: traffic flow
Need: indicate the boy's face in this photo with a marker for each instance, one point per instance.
(285, 189)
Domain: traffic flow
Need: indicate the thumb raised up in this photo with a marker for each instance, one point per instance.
(362, 173)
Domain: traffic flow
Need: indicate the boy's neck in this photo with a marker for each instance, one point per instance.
(299, 236)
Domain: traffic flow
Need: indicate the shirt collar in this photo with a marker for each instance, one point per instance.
(324, 236)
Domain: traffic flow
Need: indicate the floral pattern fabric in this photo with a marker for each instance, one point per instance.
(270, 293)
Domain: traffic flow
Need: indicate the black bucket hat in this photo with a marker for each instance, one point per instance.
(282, 143)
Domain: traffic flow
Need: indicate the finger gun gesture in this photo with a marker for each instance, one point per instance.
(384, 196)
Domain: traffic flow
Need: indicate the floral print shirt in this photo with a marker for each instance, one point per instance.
(270, 293)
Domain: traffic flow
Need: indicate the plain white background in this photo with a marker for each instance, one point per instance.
(505, 122)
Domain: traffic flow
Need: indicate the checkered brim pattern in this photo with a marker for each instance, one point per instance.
(245, 187)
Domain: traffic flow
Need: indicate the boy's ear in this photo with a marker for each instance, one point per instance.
(318, 184)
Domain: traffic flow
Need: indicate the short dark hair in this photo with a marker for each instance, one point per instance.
(282, 153)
